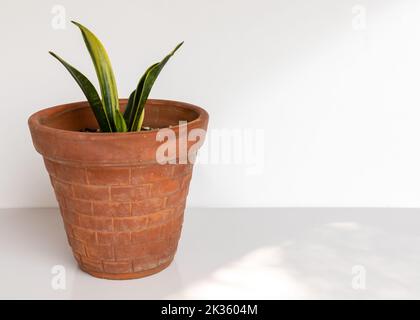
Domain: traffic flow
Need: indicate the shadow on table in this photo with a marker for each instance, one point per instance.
(301, 253)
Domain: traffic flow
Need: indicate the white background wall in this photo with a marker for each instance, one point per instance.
(340, 107)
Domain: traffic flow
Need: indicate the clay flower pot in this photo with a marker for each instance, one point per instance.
(122, 210)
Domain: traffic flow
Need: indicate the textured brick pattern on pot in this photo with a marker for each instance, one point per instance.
(122, 211)
(121, 220)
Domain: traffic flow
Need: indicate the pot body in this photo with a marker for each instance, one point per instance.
(122, 210)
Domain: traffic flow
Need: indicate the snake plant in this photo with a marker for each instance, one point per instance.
(106, 108)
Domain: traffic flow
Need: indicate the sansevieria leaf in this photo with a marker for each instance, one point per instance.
(106, 107)
(143, 90)
(91, 95)
(105, 76)
(129, 109)
(120, 124)
(133, 100)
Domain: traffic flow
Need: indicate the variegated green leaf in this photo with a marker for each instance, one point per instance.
(105, 75)
(120, 124)
(129, 108)
(133, 101)
(143, 90)
(91, 95)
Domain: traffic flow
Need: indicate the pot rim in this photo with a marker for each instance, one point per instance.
(36, 118)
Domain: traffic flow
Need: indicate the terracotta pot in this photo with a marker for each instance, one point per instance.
(122, 210)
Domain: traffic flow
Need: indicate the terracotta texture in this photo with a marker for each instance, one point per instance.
(122, 211)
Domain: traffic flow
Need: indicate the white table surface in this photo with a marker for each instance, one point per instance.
(233, 254)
